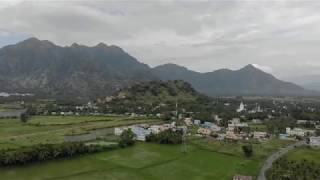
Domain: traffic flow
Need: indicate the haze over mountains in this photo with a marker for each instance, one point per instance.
(43, 68)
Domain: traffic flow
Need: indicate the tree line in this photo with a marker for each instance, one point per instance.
(43, 152)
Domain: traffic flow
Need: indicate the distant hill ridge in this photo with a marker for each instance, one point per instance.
(78, 71)
(246, 81)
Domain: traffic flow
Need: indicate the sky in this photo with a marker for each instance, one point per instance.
(280, 37)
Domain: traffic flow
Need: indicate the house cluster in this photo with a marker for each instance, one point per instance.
(141, 131)
(291, 133)
(205, 128)
(236, 130)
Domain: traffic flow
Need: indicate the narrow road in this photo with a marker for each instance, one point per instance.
(268, 163)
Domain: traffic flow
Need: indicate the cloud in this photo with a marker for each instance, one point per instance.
(277, 36)
(263, 68)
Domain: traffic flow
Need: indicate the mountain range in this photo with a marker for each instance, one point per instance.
(311, 82)
(247, 81)
(45, 69)
(78, 71)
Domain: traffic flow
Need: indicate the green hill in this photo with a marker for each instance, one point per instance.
(156, 96)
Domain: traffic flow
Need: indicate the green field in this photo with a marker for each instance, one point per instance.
(304, 153)
(15, 134)
(143, 161)
(203, 160)
(206, 158)
(257, 127)
(69, 120)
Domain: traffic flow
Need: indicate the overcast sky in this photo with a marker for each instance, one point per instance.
(281, 37)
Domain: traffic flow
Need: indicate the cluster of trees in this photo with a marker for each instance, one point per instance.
(126, 138)
(284, 169)
(166, 137)
(43, 152)
(279, 125)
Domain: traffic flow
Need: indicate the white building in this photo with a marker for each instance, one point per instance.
(259, 135)
(314, 141)
(295, 132)
(256, 121)
(197, 122)
(118, 131)
(155, 129)
(241, 107)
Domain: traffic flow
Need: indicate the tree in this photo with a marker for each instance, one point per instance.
(126, 138)
(166, 137)
(247, 150)
(24, 117)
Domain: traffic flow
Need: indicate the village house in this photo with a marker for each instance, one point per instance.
(143, 130)
(206, 124)
(260, 135)
(295, 132)
(314, 141)
(256, 121)
(119, 130)
(197, 122)
(204, 131)
(155, 129)
(140, 132)
(283, 136)
(217, 118)
(188, 121)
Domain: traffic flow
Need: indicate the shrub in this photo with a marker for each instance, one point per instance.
(166, 137)
(247, 150)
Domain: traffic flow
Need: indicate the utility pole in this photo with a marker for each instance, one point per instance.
(177, 115)
(184, 142)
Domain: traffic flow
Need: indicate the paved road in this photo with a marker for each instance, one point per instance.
(268, 163)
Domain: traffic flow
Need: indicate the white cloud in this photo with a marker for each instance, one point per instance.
(263, 68)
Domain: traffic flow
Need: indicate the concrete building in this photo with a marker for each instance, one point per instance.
(188, 121)
(118, 130)
(204, 131)
(295, 132)
(314, 141)
(197, 122)
(283, 136)
(260, 135)
(256, 121)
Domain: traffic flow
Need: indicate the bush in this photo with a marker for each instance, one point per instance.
(247, 150)
(166, 137)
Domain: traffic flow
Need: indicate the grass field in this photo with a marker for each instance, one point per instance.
(69, 120)
(304, 153)
(257, 127)
(15, 134)
(203, 160)
(206, 158)
(143, 161)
